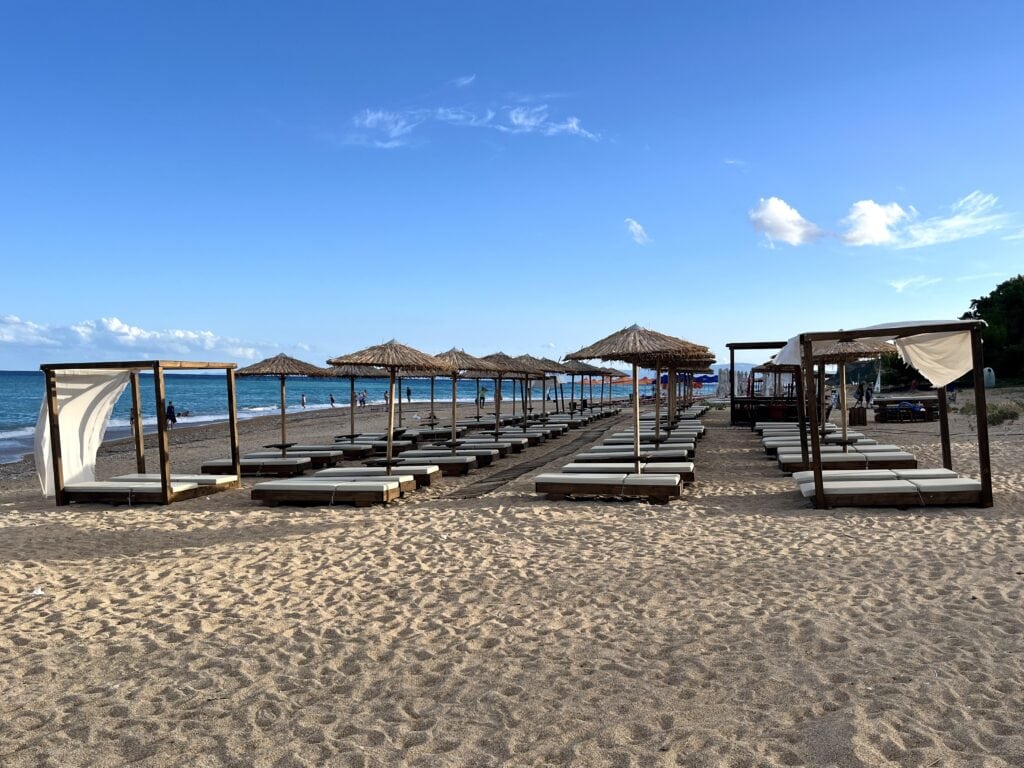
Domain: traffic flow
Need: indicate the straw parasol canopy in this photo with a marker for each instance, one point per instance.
(353, 372)
(505, 366)
(462, 363)
(392, 356)
(281, 365)
(639, 346)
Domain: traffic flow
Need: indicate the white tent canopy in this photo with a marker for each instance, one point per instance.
(941, 356)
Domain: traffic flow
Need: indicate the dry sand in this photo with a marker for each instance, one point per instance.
(736, 627)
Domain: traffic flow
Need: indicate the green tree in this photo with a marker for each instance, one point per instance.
(1003, 310)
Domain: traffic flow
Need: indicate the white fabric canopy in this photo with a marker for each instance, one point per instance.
(85, 399)
(940, 357)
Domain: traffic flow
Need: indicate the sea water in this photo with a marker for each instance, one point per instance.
(204, 398)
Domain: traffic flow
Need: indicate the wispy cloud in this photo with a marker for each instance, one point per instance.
(778, 220)
(980, 276)
(110, 337)
(1015, 236)
(390, 129)
(871, 223)
(918, 281)
(736, 163)
(637, 232)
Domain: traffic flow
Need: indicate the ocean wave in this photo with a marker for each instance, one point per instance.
(11, 434)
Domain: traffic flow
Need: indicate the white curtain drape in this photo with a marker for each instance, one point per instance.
(85, 399)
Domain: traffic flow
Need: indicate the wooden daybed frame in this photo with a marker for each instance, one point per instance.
(163, 492)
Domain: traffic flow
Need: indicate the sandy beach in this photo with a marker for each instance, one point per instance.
(475, 623)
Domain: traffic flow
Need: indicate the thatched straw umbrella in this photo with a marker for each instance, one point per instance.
(502, 364)
(637, 346)
(353, 372)
(533, 367)
(843, 352)
(392, 356)
(459, 360)
(281, 365)
(554, 368)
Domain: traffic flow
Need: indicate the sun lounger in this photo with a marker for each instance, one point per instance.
(127, 492)
(484, 456)
(657, 488)
(423, 474)
(899, 493)
(590, 457)
(350, 450)
(874, 474)
(154, 477)
(317, 459)
(449, 465)
(380, 447)
(281, 467)
(406, 482)
(682, 468)
(322, 491)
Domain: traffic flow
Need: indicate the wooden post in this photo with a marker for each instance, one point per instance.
(801, 416)
(947, 456)
(812, 427)
(284, 433)
(478, 399)
(497, 406)
(352, 409)
(981, 406)
(140, 444)
(399, 406)
(52, 409)
(732, 387)
(433, 417)
(455, 415)
(636, 422)
(391, 416)
(161, 428)
(236, 456)
(657, 405)
(821, 396)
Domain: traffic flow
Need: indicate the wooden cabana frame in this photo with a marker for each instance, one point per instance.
(736, 405)
(65, 496)
(807, 340)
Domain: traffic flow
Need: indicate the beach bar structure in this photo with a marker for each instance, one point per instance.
(942, 351)
(749, 409)
(161, 487)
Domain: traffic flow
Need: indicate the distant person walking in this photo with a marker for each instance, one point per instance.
(868, 394)
(860, 394)
(302, 400)
(172, 417)
(483, 395)
(332, 399)
(408, 394)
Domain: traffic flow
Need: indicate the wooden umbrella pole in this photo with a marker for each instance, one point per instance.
(497, 407)
(842, 399)
(284, 436)
(657, 406)
(478, 399)
(432, 417)
(399, 401)
(455, 386)
(636, 422)
(513, 398)
(391, 415)
(352, 409)
(544, 397)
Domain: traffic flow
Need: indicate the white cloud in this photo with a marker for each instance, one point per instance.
(637, 232)
(111, 338)
(462, 82)
(918, 281)
(971, 216)
(528, 118)
(780, 221)
(871, 223)
(736, 163)
(390, 127)
(570, 125)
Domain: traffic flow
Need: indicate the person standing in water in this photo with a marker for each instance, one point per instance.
(302, 400)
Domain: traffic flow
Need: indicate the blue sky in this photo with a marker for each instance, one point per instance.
(225, 181)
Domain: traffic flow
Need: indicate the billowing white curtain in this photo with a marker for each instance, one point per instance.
(942, 357)
(85, 400)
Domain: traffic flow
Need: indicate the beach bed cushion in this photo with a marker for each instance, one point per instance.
(282, 467)
(484, 456)
(118, 492)
(153, 477)
(322, 491)
(406, 482)
(449, 465)
(659, 488)
(807, 476)
(648, 455)
(682, 468)
(424, 474)
(860, 487)
(317, 459)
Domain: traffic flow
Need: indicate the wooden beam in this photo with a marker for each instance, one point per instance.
(141, 365)
(947, 454)
(981, 406)
(161, 429)
(56, 455)
(140, 443)
(807, 355)
(236, 460)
